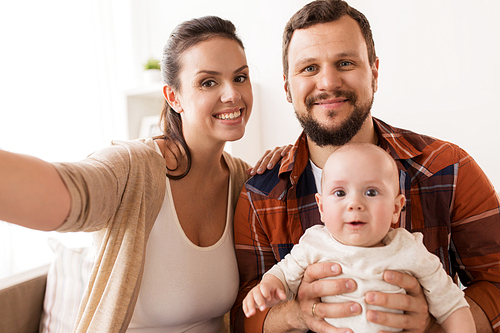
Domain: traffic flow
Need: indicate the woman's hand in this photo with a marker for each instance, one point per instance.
(269, 160)
(416, 317)
(312, 289)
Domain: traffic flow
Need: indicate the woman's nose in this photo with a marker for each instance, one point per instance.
(230, 94)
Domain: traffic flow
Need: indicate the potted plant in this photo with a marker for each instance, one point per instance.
(152, 72)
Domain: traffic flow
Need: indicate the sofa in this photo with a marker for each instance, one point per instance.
(21, 301)
(46, 299)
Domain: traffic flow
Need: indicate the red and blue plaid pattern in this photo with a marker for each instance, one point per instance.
(448, 198)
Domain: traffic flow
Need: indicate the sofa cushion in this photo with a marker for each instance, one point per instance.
(66, 282)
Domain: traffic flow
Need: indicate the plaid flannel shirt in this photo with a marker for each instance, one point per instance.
(448, 198)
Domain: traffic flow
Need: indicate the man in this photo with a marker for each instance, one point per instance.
(331, 73)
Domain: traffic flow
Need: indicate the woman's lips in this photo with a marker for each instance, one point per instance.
(229, 115)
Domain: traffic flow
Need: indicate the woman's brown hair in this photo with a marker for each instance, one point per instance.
(184, 36)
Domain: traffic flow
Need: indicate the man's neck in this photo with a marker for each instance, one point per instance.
(319, 155)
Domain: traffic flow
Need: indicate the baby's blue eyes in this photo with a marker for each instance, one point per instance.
(368, 193)
(339, 193)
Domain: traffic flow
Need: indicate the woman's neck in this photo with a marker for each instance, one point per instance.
(205, 162)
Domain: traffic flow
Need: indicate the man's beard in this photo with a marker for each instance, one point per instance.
(344, 132)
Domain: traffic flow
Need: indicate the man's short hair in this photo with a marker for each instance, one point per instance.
(324, 11)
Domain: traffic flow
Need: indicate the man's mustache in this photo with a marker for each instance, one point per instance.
(350, 95)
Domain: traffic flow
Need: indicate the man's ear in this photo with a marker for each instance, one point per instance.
(399, 203)
(319, 201)
(375, 74)
(287, 90)
(172, 99)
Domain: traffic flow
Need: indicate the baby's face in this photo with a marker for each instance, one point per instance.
(359, 199)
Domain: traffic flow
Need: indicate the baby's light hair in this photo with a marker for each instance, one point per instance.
(384, 153)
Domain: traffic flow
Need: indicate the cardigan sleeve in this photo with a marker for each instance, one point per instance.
(95, 185)
(119, 190)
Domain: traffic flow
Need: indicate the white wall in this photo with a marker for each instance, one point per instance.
(439, 72)
(439, 67)
(60, 96)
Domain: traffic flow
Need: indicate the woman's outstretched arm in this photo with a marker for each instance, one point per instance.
(31, 192)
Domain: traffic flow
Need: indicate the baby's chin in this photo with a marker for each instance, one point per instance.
(360, 240)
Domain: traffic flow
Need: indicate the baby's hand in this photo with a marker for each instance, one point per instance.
(262, 296)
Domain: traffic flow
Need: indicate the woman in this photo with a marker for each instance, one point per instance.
(161, 208)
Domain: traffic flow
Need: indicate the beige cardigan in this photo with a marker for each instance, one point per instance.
(118, 192)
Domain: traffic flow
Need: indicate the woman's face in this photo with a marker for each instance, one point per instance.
(215, 97)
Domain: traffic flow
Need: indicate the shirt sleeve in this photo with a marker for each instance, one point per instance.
(443, 295)
(255, 257)
(475, 237)
(290, 270)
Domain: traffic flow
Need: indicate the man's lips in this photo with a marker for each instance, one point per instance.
(332, 100)
(331, 103)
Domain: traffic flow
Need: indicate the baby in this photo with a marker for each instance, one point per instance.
(360, 201)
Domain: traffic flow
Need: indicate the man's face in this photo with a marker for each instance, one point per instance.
(330, 80)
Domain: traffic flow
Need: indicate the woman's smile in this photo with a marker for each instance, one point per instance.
(229, 115)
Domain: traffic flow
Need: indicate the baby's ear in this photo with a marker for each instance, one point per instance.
(399, 204)
(320, 204)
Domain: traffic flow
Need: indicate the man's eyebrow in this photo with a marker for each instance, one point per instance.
(348, 55)
(305, 61)
(338, 56)
(215, 73)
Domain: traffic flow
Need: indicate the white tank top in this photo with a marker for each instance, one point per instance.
(185, 288)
